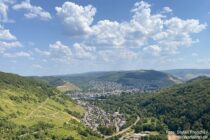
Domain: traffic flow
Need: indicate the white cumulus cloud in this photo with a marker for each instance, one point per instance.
(6, 35)
(76, 19)
(117, 55)
(167, 10)
(60, 52)
(7, 45)
(153, 50)
(18, 54)
(41, 52)
(3, 11)
(7, 40)
(83, 52)
(32, 11)
(145, 29)
(4, 8)
(145, 33)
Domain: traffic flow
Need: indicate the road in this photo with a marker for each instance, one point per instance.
(117, 127)
(124, 130)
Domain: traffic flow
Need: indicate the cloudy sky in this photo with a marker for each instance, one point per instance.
(45, 37)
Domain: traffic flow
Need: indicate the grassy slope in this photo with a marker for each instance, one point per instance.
(60, 84)
(67, 86)
(26, 102)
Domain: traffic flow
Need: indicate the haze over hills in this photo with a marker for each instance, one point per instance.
(142, 79)
(187, 74)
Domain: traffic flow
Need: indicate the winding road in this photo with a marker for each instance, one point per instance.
(124, 130)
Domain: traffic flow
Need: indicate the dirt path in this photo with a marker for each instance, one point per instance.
(127, 134)
(74, 118)
(124, 130)
(53, 115)
(40, 106)
(117, 127)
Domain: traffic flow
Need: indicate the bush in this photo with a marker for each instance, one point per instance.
(73, 113)
(138, 129)
(68, 138)
(105, 130)
(83, 133)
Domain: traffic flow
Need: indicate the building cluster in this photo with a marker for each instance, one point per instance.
(95, 116)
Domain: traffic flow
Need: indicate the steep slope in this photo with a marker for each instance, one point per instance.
(182, 107)
(187, 74)
(135, 79)
(185, 106)
(30, 109)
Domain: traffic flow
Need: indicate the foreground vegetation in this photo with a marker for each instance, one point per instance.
(31, 109)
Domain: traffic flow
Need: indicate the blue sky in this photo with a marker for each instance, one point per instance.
(62, 37)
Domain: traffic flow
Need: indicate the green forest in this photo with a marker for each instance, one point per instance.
(182, 107)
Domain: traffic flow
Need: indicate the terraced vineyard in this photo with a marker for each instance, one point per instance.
(30, 109)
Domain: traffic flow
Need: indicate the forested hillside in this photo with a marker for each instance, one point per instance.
(182, 107)
(187, 74)
(135, 79)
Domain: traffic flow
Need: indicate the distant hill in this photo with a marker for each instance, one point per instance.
(31, 109)
(182, 107)
(187, 74)
(58, 83)
(135, 79)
